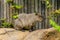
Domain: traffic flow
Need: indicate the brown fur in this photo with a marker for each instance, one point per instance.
(27, 21)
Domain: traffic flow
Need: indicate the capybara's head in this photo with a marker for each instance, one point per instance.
(40, 18)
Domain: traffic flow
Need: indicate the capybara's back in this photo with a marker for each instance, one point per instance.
(27, 20)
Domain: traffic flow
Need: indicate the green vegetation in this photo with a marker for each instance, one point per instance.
(5, 24)
(9, 1)
(54, 24)
(15, 16)
(48, 5)
(56, 13)
(16, 6)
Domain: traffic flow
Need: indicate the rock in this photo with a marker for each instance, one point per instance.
(41, 34)
(12, 34)
(44, 34)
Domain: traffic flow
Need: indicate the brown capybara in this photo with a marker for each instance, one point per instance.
(27, 21)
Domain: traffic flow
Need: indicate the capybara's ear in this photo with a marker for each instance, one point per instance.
(36, 13)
